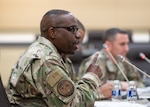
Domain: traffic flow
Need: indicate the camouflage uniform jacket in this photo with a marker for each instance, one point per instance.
(110, 70)
(71, 70)
(41, 79)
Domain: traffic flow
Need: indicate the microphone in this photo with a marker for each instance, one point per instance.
(121, 58)
(143, 56)
(106, 48)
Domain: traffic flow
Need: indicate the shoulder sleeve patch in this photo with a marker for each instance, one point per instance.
(65, 88)
(53, 78)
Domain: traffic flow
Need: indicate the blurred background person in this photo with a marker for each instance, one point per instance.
(117, 41)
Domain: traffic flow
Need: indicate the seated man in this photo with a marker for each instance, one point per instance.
(40, 78)
(116, 41)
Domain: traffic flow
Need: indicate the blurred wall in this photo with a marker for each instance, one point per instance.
(8, 57)
(95, 14)
(24, 16)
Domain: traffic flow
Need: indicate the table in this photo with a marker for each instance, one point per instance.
(118, 104)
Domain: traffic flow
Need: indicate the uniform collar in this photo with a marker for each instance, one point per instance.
(49, 44)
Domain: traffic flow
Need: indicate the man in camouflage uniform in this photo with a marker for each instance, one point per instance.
(116, 41)
(41, 79)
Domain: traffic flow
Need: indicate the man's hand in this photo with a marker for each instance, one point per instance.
(106, 90)
(93, 67)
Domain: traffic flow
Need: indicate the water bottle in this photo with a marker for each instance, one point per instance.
(132, 95)
(116, 91)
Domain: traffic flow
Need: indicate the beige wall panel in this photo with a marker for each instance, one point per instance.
(95, 14)
(8, 57)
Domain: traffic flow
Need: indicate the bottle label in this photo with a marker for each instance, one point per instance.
(131, 93)
(116, 92)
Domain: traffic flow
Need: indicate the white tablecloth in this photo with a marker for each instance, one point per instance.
(117, 104)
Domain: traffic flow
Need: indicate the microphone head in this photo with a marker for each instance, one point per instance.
(121, 58)
(105, 46)
(142, 55)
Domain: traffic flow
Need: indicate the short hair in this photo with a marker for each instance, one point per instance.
(111, 33)
(50, 18)
(80, 25)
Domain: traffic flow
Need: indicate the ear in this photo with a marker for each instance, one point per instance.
(109, 44)
(51, 32)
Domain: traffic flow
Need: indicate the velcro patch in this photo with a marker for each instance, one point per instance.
(65, 88)
(54, 77)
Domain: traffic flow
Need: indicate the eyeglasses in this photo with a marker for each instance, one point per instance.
(72, 29)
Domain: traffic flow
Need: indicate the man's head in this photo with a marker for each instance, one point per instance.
(117, 41)
(61, 28)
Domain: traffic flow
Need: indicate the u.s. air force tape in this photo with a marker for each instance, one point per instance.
(65, 88)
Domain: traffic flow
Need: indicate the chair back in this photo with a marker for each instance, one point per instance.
(4, 102)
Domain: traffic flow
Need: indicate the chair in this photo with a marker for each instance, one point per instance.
(95, 39)
(133, 55)
(4, 102)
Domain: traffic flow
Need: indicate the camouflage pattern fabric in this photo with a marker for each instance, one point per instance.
(110, 70)
(70, 67)
(41, 79)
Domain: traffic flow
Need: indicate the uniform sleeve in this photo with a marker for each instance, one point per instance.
(61, 91)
